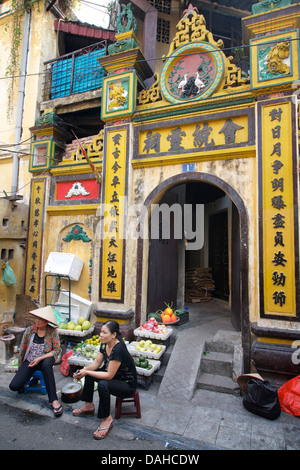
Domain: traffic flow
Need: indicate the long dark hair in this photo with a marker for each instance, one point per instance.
(113, 327)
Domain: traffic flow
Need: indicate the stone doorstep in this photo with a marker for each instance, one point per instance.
(217, 383)
(217, 363)
(224, 341)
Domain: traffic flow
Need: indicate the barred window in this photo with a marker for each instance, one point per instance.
(163, 31)
(163, 6)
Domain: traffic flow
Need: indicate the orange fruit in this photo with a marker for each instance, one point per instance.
(168, 311)
(165, 318)
(173, 317)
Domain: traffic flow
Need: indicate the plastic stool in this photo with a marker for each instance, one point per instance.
(31, 384)
(135, 398)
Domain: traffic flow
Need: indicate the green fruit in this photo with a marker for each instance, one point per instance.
(80, 320)
(71, 325)
(78, 328)
(89, 347)
(63, 326)
(86, 325)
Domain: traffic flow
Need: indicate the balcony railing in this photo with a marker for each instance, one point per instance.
(73, 73)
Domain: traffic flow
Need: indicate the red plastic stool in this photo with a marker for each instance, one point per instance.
(135, 398)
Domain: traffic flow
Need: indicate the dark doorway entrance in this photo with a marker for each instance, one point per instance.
(218, 253)
(168, 259)
(163, 261)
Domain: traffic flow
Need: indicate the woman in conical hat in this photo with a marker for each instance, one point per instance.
(39, 349)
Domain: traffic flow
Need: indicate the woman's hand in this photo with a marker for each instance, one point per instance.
(79, 374)
(35, 362)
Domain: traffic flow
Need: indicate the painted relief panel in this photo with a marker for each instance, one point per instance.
(79, 189)
(192, 73)
(35, 234)
(119, 95)
(115, 190)
(274, 59)
(279, 224)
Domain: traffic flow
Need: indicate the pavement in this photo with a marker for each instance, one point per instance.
(173, 414)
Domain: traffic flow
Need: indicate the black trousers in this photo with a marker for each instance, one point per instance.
(25, 372)
(106, 388)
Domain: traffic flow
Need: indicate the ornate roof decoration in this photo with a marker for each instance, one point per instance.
(192, 27)
(195, 66)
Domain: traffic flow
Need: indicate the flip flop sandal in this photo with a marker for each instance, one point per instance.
(79, 412)
(107, 429)
(57, 411)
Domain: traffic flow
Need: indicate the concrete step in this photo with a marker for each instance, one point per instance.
(217, 363)
(224, 341)
(217, 383)
(221, 362)
(215, 369)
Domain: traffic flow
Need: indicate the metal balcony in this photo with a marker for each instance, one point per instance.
(73, 73)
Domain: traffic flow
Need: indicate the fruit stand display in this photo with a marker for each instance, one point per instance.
(168, 316)
(85, 353)
(146, 348)
(82, 327)
(145, 366)
(147, 351)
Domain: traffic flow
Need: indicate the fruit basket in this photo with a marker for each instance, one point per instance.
(83, 333)
(85, 352)
(167, 331)
(132, 348)
(173, 322)
(75, 360)
(147, 372)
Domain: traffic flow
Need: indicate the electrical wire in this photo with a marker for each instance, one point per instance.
(171, 56)
(5, 147)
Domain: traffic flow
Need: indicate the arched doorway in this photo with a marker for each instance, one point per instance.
(225, 209)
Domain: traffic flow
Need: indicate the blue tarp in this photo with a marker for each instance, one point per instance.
(87, 74)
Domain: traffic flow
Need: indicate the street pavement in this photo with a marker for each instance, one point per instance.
(209, 421)
(171, 418)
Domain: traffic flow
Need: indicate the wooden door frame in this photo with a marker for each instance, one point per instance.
(154, 197)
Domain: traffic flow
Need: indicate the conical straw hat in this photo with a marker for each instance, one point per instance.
(46, 313)
(242, 380)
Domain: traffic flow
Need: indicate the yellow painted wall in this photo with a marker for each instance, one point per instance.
(57, 226)
(42, 47)
(13, 232)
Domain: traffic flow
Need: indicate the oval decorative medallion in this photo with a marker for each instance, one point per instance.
(192, 73)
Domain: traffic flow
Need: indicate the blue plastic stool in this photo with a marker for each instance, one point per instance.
(31, 384)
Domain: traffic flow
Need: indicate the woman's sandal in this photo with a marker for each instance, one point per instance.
(57, 411)
(106, 428)
(79, 412)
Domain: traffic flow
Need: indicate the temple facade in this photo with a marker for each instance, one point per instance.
(195, 167)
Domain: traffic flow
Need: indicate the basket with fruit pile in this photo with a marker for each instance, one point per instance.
(81, 328)
(146, 366)
(146, 348)
(153, 329)
(86, 351)
(168, 315)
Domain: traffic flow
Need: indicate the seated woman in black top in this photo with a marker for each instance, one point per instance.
(117, 377)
